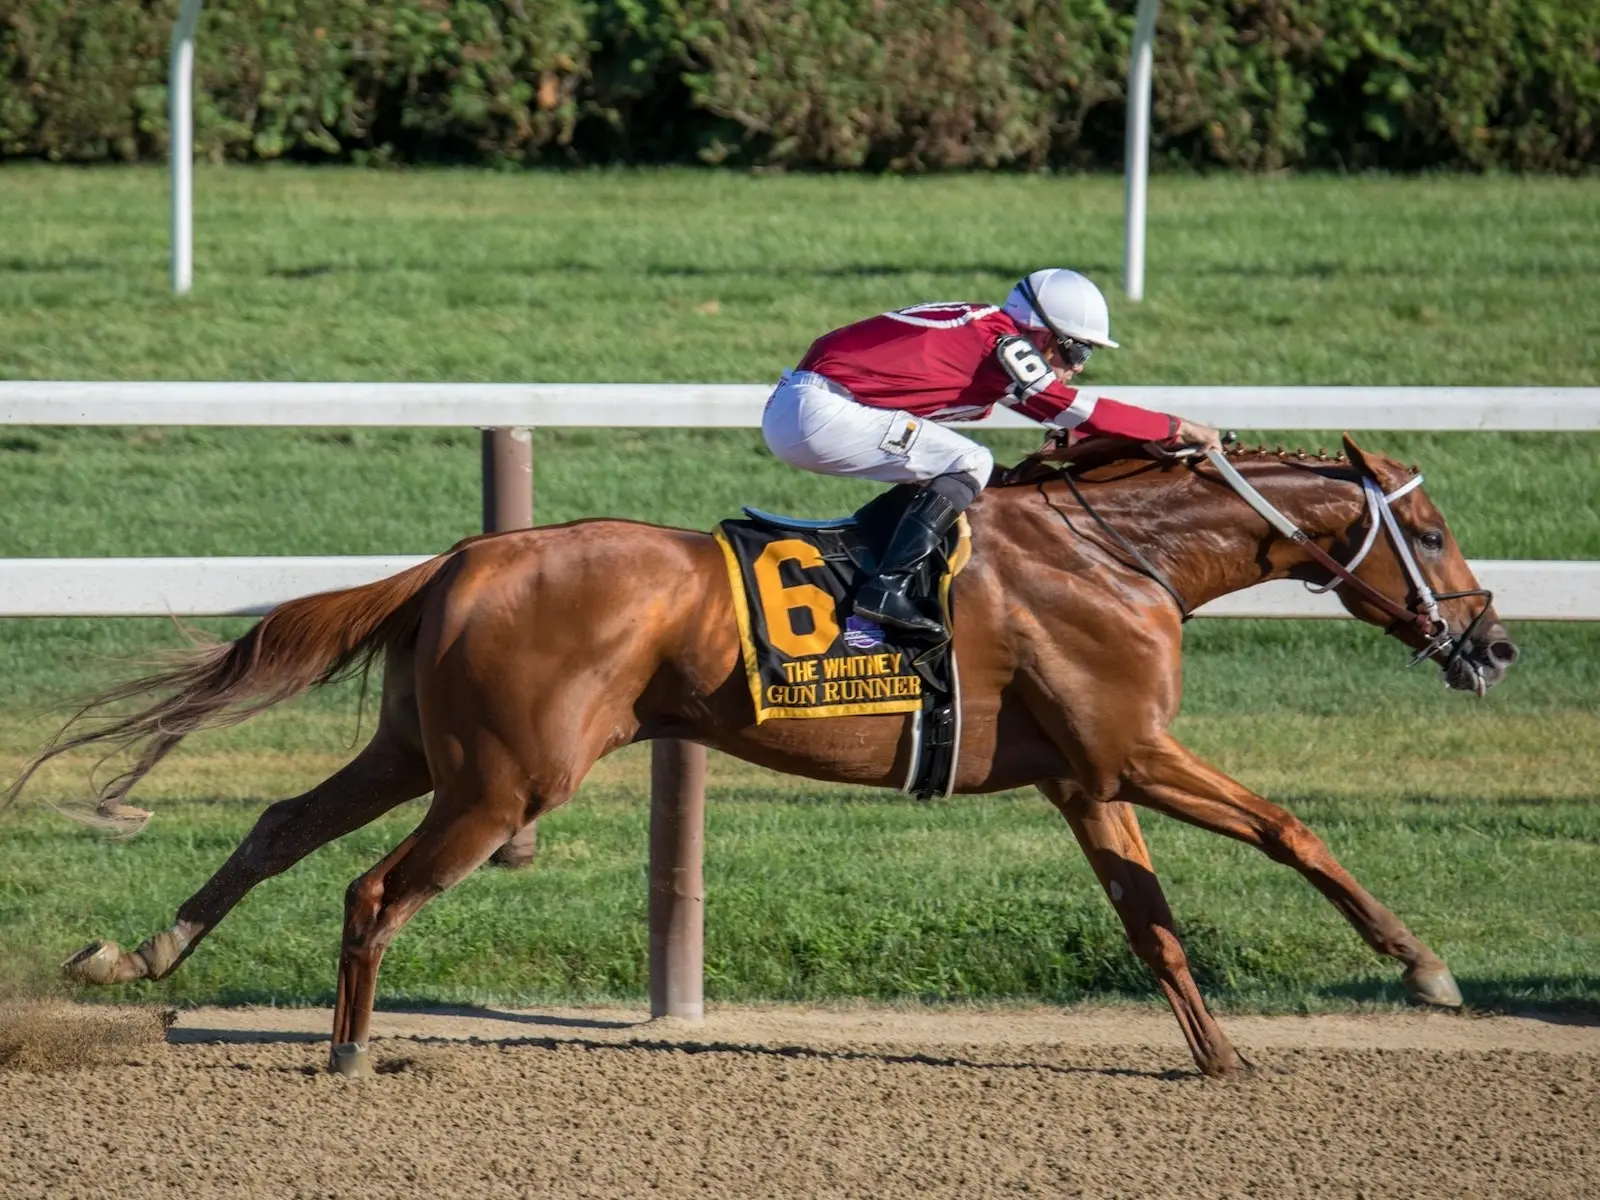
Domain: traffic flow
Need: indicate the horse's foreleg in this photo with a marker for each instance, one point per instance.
(386, 773)
(1110, 837)
(1167, 777)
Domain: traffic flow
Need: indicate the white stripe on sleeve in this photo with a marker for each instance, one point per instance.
(1076, 413)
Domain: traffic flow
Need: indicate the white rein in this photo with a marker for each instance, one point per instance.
(1379, 514)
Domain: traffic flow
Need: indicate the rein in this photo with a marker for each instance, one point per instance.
(1423, 613)
(1140, 560)
(1380, 513)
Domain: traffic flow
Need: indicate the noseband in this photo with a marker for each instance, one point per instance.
(1422, 610)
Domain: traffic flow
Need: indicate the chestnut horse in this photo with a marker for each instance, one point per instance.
(515, 661)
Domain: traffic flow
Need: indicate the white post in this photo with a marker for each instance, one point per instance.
(180, 122)
(1136, 151)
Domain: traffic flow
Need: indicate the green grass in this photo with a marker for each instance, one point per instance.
(1475, 821)
(336, 274)
(817, 895)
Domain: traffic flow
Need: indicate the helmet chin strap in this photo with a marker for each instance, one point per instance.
(1032, 297)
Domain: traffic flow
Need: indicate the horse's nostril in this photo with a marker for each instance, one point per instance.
(1502, 653)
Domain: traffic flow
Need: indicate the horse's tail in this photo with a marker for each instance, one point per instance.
(299, 645)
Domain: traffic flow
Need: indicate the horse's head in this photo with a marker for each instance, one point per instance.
(1413, 559)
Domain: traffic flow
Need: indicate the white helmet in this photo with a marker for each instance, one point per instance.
(1064, 302)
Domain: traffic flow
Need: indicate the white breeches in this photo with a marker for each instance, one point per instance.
(812, 423)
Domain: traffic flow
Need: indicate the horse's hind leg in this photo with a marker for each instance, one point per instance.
(471, 817)
(1171, 779)
(520, 849)
(1110, 837)
(390, 770)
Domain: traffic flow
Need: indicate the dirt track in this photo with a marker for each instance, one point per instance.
(780, 1102)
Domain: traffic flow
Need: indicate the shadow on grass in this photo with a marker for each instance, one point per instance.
(1310, 270)
(17, 265)
(1557, 999)
(311, 271)
(696, 271)
(855, 271)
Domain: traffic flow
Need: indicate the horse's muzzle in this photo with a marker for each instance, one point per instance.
(1482, 660)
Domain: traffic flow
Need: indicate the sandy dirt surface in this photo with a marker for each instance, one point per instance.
(793, 1102)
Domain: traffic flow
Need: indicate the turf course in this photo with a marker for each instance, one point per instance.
(1476, 822)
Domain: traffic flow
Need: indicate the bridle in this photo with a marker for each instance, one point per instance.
(1422, 608)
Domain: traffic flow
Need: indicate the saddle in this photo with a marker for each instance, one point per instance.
(807, 654)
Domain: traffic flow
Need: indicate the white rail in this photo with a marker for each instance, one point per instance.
(179, 587)
(213, 587)
(239, 586)
(733, 405)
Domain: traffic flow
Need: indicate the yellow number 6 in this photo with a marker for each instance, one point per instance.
(778, 601)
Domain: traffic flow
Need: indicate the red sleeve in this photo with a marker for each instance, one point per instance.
(1066, 408)
(1117, 419)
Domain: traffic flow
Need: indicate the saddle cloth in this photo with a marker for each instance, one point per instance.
(806, 654)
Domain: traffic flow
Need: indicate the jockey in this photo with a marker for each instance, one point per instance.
(869, 400)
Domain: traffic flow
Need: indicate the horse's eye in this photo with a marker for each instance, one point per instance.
(1432, 540)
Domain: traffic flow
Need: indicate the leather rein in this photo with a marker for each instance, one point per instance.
(1422, 612)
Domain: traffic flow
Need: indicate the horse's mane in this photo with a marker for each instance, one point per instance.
(1094, 453)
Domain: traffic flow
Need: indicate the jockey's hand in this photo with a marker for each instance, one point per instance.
(1055, 442)
(1193, 433)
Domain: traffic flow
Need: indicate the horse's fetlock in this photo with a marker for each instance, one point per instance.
(161, 951)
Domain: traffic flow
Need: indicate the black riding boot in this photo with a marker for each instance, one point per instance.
(884, 599)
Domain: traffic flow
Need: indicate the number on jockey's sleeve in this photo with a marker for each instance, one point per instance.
(1029, 372)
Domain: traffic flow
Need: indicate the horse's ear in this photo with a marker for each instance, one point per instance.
(1375, 467)
(1354, 454)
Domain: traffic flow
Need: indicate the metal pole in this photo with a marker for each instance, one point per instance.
(1136, 150)
(677, 884)
(508, 504)
(180, 122)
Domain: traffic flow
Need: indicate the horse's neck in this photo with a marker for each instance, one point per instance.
(1203, 536)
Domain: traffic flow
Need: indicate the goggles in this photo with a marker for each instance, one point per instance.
(1075, 354)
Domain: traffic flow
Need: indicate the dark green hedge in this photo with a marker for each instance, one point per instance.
(840, 84)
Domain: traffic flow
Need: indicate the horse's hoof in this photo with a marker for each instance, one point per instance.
(519, 850)
(1230, 1067)
(350, 1060)
(1436, 987)
(95, 963)
(511, 860)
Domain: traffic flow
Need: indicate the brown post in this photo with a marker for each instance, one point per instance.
(507, 479)
(677, 886)
(508, 504)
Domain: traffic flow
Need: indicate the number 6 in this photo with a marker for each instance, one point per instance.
(1024, 362)
(779, 601)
